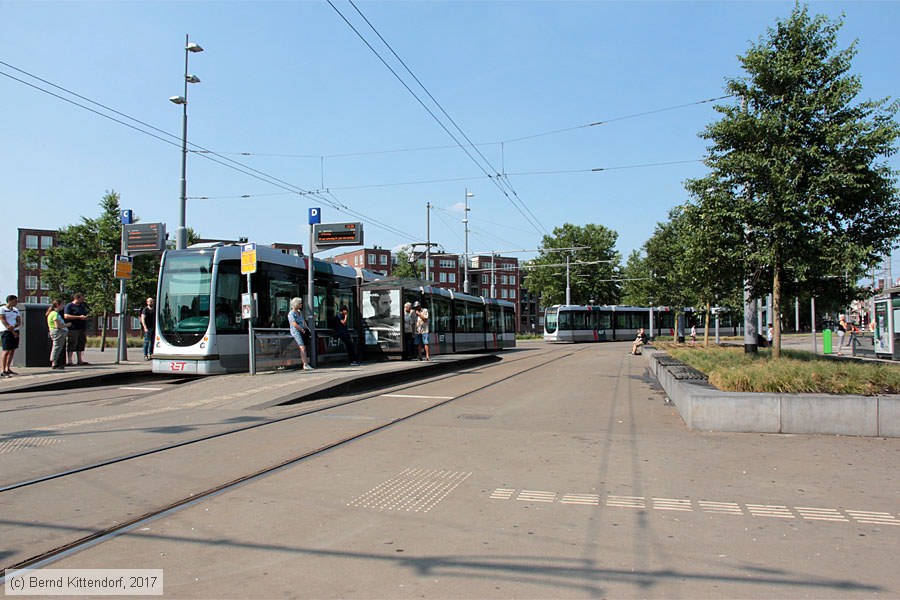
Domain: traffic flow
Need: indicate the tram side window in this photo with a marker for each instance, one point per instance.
(566, 319)
(476, 321)
(439, 315)
(578, 322)
(509, 320)
(281, 290)
(605, 321)
(228, 298)
(666, 320)
(344, 297)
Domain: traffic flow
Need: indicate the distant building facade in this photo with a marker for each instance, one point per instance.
(372, 259)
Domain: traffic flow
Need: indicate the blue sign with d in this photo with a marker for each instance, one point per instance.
(315, 216)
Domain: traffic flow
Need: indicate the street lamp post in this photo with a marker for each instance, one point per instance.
(181, 232)
(466, 254)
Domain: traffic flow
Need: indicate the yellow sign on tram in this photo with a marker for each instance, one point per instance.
(248, 258)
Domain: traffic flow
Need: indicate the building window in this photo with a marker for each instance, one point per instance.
(504, 279)
(31, 242)
(452, 278)
(31, 282)
(512, 280)
(382, 259)
(448, 264)
(45, 299)
(371, 259)
(484, 279)
(512, 294)
(135, 323)
(114, 322)
(46, 241)
(45, 285)
(45, 262)
(31, 299)
(31, 264)
(443, 277)
(504, 294)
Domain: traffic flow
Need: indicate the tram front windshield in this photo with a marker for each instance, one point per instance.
(183, 302)
(550, 320)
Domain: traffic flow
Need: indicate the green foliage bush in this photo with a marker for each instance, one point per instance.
(796, 372)
(112, 342)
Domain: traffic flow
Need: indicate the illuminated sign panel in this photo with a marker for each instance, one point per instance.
(144, 237)
(338, 234)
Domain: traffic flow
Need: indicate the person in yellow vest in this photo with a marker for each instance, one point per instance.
(58, 331)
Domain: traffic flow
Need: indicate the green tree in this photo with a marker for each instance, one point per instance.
(84, 259)
(406, 266)
(594, 265)
(801, 164)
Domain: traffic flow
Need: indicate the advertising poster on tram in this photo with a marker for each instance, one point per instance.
(381, 316)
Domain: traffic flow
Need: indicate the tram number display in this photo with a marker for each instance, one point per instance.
(338, 234)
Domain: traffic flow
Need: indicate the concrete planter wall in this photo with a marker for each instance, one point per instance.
(706, 408)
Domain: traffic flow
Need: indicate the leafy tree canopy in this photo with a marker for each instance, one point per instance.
(594, 266)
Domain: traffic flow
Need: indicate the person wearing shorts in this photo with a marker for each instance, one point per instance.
(422, 330)
(9, 334)
(76, 315)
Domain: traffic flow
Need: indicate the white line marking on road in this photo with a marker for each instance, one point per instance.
(626, 501)
(536, 496)
(583, 499)
(672, 504)
(875, 518)
(724, 508)
(821, 514)
(141, 389)
(502, 494)
(14, 444)
(419, 397)
(768, 510)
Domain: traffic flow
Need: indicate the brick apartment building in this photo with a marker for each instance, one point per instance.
(373, 259)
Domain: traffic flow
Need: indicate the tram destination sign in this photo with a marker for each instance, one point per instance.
(338, 234)
(144, 237)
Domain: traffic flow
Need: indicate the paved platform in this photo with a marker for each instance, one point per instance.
(241, 390)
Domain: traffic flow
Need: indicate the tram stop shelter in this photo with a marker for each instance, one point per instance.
(886, 319)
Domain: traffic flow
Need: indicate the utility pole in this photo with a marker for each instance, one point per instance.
(428, 243)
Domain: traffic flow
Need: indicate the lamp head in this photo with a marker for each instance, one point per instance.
(192, 79)
(178, 100)
(192, 47)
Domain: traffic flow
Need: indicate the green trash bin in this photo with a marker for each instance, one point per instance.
(826, 341)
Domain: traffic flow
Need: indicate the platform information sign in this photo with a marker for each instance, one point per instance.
(124, 266)
(248, 258)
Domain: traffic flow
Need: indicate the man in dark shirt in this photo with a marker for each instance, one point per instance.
(76, 316)
(341, 322)
(148, 323)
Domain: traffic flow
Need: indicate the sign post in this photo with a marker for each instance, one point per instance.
(122, 269)
(248, 266)
(315, 217)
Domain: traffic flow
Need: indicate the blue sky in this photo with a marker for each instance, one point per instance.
(291, 84)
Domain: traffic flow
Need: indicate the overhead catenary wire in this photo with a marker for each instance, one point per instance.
(206, 153)
(495, 177)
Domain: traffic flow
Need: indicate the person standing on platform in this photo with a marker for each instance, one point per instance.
(299, 329)
(422, 329)
(58, 332)
(342, 329)
(76, 316)
(409, 331)
(842, 328)
(148, 324)
(9, 334)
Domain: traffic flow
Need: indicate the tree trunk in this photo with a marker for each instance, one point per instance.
(776, 312)
(706, 329)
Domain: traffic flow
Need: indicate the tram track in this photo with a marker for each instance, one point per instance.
(161, 449)
(109, 532)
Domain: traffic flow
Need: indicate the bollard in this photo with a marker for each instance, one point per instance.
(826, 341)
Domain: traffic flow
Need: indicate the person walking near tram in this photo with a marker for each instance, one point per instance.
(422, 329)
(842, 328)
(298, 329)
(148, 323)
(58, 332)
(76, 316)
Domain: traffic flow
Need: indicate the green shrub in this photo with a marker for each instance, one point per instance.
(796, 372)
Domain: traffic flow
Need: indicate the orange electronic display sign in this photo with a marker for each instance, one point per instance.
(144, 237)
(338, 234)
